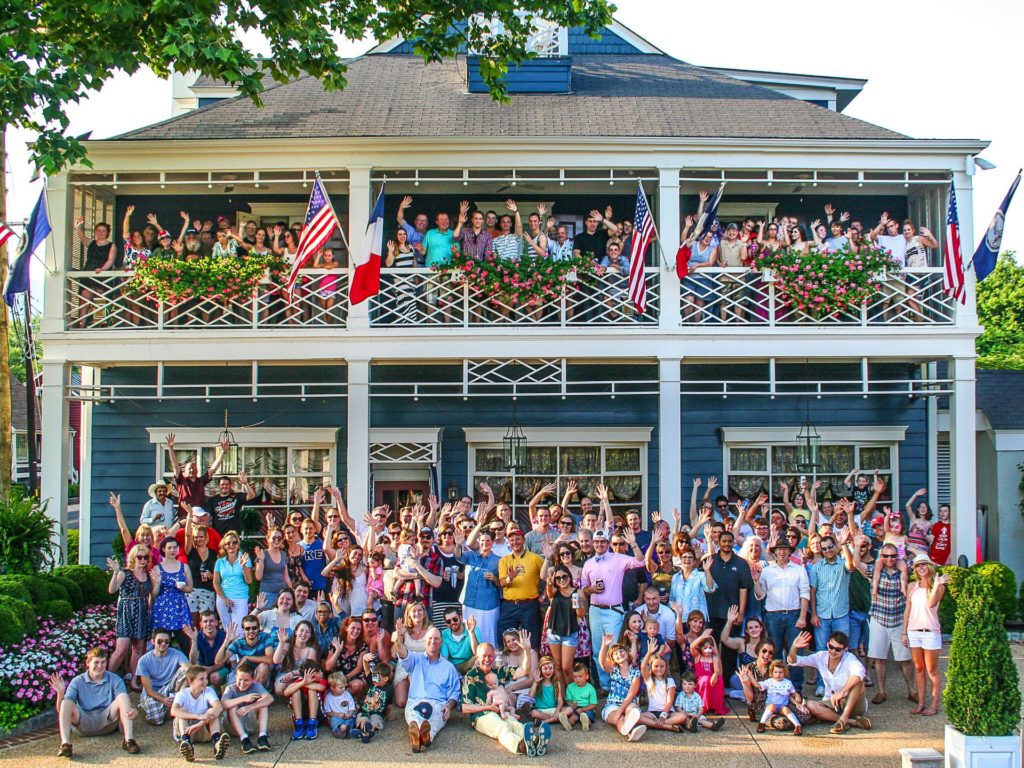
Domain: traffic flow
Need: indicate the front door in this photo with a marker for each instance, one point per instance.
(400, 493)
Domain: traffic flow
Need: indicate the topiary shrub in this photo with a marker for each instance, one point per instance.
(75, 596)
(93, 582)
(58, 610)
(11, 630)
(44, 588)
(24, 617)
(947, 608)
(979, 656)
(16, 587)
(1003, 583)
(72, 546)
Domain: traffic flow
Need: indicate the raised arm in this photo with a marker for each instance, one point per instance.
(511, 205)
(126, 226)
(122, 526)
(538, 497)
(406, 202)
(461, 218)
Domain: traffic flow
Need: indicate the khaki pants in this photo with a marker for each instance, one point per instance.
(509, 733)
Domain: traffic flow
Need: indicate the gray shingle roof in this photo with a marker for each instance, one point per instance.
(643, 95)
(1000, 395)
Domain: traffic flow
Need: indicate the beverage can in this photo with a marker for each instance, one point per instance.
(575, 599)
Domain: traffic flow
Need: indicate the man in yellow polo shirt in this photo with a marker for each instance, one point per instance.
(519, 579)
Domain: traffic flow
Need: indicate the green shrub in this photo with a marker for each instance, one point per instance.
(12, 713)
(16, 586)
(13, 614)
(75, 596)
(947, 608)
(58, 610)
(45, 588)
(1003, 583)
(72, 546)
(979, 656)
(26, 533)
(25, 610)
(117, 548)
(92, 581)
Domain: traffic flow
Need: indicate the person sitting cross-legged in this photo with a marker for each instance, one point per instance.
(843, 676)
(247, 705)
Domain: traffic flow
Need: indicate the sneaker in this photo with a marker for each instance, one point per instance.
(263, 743)
(717, 724)
(564, 720)
(637, 733)
(543, 735)
(365, 736)
(338, 733)
(869, 683)
(220, 745)
(761, 728)
(300, 730)
(750, 715)
(186, 750)
(630, 720)
(247, 746)
(691, 724)
(311, 729)
(584, 722)
(131, 746)
(798, 730)
(530, 739)
(66, 750)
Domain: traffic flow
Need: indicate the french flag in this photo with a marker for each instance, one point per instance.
(366, 278)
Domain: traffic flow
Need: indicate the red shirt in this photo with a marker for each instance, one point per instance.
(212, 542)
(941, 544)
(191, 490)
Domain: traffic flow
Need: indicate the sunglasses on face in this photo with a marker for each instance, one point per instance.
(835, 648)
(828, 548)
(452, 620)
(561, 577)
(369, 619)
(251, 629)
(565, 554)
(887, 556)
(565, 522)
(767, 651)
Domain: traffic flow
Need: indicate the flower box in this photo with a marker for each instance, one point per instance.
(981, 751)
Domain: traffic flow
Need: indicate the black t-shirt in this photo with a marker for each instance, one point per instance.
(225, 511)
(730, 577)
(632, 581)
(595, 244)
(447, 593)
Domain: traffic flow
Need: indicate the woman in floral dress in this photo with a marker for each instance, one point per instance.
(134, 589)
(170, 607)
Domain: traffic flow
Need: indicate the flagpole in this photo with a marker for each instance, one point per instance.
(30, 395)
(654, 226)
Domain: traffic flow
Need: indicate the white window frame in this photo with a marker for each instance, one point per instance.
(858, 436)
(566, 437)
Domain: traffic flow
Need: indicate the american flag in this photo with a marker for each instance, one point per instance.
(5, 234)
(320, 224)
(643, 231)
(953, 277)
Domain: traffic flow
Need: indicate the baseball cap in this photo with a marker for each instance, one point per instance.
(514, 532)
(163, 233)
(191, 231)
(601, 535)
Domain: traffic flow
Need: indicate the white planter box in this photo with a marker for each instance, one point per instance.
(981, 751)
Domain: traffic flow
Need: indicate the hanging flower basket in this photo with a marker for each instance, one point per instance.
(528, 282)
(824, 284)
(174, 280)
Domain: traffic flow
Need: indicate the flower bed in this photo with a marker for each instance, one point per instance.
(174, 280)
(823, 284)
(527, 282)
(58, 646)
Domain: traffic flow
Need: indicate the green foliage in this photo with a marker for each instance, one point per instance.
(979, 657)
(823, 284)
(26, 533)
(528, 281)
(58, 610)
(24, 617)
(174, 280)
(44, 588)
(56, 51)
(93, 582)
(13, 713)
(947, 608)
(75, 596)
(72, 546)
(1001, 312)
(117, 548)
(16, 586)
(1003, 582)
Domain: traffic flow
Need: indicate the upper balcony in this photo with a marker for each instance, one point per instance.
(419, 300)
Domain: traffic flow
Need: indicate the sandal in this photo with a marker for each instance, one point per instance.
(838, 728)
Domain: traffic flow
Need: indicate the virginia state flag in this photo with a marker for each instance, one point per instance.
(366, 278)
(988, 249)
(35, 233)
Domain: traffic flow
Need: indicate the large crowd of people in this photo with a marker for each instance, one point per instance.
(560, 615)
(708, 244)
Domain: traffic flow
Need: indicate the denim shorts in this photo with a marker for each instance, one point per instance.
(570, 640)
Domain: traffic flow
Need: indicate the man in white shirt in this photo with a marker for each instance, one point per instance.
(159, 510)
(665, 616)
(786, 591)
(843, 675)
(887, 234)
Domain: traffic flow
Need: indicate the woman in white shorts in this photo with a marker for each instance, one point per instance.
(922, 633)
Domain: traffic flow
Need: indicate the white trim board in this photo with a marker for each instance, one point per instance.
(831, 434)
(254, 437)
(563, 436)
(405, 435)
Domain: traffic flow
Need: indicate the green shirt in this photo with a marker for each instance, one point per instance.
(474, 687)
(860, 592)
(438, 245)
(580, 697)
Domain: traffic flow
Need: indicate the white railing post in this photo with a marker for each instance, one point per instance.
(669, 310)
(771, 301)
(359, 191)
(58, 253)
(966, 313)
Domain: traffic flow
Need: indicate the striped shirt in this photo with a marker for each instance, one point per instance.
(888, 606)
(831, 582)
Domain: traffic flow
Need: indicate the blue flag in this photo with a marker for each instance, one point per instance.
(988, 249)
(35, 233)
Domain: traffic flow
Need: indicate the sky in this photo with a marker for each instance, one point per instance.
(936, 69)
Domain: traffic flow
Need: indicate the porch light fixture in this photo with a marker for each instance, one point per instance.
(808, 446)
(453, 491)
(513, 446)
(227, 434)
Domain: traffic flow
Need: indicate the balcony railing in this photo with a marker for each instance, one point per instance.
(101, 301)
(415, 297)
(737, 296)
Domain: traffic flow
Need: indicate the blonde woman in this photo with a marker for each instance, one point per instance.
(232, 575)
(417, 624)
(135, 590)
(922, 633)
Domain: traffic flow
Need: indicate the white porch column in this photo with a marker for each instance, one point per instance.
(357, 472)
(53, 487)
(57, 251)
(669, 436)
(966, 314)
(358, 214)
(963, 459)
(90, 376)
(668, 239)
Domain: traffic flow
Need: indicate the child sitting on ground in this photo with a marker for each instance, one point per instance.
(374, 708)
(547, 693)
(690, 703)
(780, 692)
(497, 694)
(247, 704)
(339, 706)
(661, 693)
(580, 699)
(196, 711)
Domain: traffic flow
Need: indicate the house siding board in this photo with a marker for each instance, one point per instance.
(608, 43)
(123, 458)
(547, 75)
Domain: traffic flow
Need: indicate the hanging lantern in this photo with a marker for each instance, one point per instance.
(808, 448)
(514, 448)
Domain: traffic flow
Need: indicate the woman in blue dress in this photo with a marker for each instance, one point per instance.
(174, 579)
(703, 254)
